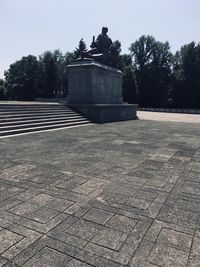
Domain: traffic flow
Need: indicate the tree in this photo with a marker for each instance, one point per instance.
(152, 64)
(186, 74)
(141, 51)
(29, 78)
(2, 89)
(81, 48)
(115, 57)
(60, 64)
(48, 75)
(68, 57)
(53, 73)
(160, 70)
(128, 82)
(21, 79)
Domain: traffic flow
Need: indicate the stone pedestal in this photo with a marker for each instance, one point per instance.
(95, 90)
(107, 112)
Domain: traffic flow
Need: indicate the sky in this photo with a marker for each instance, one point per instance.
(34, 26)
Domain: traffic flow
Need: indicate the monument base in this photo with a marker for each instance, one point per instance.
(101, 113)
(90, 82)
(95, 91)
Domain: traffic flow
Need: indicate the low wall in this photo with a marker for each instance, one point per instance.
(101, 113)
(171, 110)
(57, 100)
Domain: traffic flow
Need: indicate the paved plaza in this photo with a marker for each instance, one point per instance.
(165, 116)
(110, 195)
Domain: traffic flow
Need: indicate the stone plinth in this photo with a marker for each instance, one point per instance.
(95, 90)
(90, 82)
(107, 112)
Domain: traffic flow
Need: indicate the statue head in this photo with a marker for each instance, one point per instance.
(104, 30)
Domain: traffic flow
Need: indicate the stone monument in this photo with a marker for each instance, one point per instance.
(95, 88)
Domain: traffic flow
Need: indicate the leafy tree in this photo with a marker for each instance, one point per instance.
(53, 73)
(2, 89)
(141, 51)
(128, 81)
(21, 79)
(47, 80)
(81, 48)
(160, 70)
(152, 76)
(152, 64)
(29, 78)
(60, 83)
(115, 58)
(69, 57)
(186, 74)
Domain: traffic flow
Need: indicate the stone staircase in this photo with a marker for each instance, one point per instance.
(18, 118)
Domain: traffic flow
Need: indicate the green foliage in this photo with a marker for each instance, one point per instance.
(186, 74)
(152, 76)
(152, 62)
(142, 51)
(115, 58)
(22, 78)
(47, 84)
(52, 74)
(128, 83)
(29, 78)
(69, 57)
(2, 89)
(81, 48)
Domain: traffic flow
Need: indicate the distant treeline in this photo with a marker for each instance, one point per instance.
(153, 75)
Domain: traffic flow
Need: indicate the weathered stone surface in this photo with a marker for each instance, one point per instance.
(168, 256)
(84, 229)
(112, 195)
(98, 216)
(95, 91)
(91, 82)
(102, 113)
(8, 239)
(109, 238)
(48, 257)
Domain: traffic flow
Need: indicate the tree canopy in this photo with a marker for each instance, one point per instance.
(2, 89)
(152, 65)
(22, 78)
(152, 75)
(186, 76)
(81, 48)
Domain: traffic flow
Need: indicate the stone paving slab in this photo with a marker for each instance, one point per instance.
(163, 116)
(7, 102)
(112, 195)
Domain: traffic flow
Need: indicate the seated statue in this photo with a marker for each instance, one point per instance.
(101, 49)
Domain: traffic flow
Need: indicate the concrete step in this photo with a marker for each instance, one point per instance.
(43, 128)
(39, 114)
(37, 124)
(21, 111)
(30, 111)
(19, 119)
(6, 106)
(33, 118)
(38, 119)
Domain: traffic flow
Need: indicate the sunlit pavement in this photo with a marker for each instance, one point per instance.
(162, 116)
(118, 194)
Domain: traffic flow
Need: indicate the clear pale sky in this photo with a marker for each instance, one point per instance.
(34, 26)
